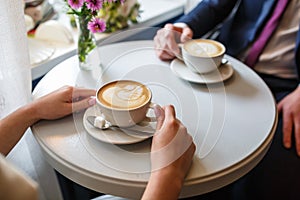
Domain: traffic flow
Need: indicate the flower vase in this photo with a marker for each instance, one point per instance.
(87, 51)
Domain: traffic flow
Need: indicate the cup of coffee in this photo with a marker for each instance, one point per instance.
(202, 55)
(124, 102)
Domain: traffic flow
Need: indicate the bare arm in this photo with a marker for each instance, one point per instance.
(55, 105)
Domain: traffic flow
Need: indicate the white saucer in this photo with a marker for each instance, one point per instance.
(114, 136)
(182, 71)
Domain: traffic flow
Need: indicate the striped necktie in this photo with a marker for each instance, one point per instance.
(264, 36)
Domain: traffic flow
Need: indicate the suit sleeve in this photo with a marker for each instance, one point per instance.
(207, 14)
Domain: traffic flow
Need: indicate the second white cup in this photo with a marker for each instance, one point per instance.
(202, 55)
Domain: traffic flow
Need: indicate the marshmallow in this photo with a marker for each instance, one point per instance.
(99, 122)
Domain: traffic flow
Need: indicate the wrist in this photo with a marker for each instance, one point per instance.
(31, 113)
(169, 175)
(158, 185)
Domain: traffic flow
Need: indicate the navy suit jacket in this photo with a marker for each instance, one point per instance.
(240, 28)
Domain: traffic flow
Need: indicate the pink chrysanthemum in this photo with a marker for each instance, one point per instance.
(76, 4)
(94, 5)
(97, 25)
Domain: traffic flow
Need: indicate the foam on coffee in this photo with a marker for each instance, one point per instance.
(204, 48)
(124, 95)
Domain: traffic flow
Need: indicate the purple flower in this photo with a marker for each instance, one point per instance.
(97, 25)
(76, 4)
(94, 5)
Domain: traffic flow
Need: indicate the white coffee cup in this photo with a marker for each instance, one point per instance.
(124, 102)
(202, 55)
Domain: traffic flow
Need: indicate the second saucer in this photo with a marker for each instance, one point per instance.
(223, 73)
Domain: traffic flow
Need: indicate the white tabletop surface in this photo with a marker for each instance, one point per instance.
(232, 123)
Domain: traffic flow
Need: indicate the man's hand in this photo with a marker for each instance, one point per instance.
(290, 108)
(165, 40)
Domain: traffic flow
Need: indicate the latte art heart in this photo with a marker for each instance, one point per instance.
(124, 95)
(129, 92)
(206, 48)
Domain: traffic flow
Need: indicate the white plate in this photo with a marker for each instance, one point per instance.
(39, 51)
(115, 136)
(182, 71)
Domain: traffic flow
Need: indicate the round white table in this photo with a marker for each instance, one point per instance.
(232, 123)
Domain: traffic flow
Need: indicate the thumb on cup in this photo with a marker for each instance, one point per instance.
(160, 116)
(187, 34)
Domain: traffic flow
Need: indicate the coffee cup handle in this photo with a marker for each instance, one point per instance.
(179, 56)
(152, 106)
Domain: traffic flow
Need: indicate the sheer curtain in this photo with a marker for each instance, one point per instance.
(15, 91)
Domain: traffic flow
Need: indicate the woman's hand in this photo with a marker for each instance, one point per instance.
(62, 102)
(171, 156)
(55, 105)
(171, 144)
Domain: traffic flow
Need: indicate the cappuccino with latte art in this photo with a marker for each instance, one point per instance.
(206, 48)
(124, 95)
(203, 55)
(124, 102)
